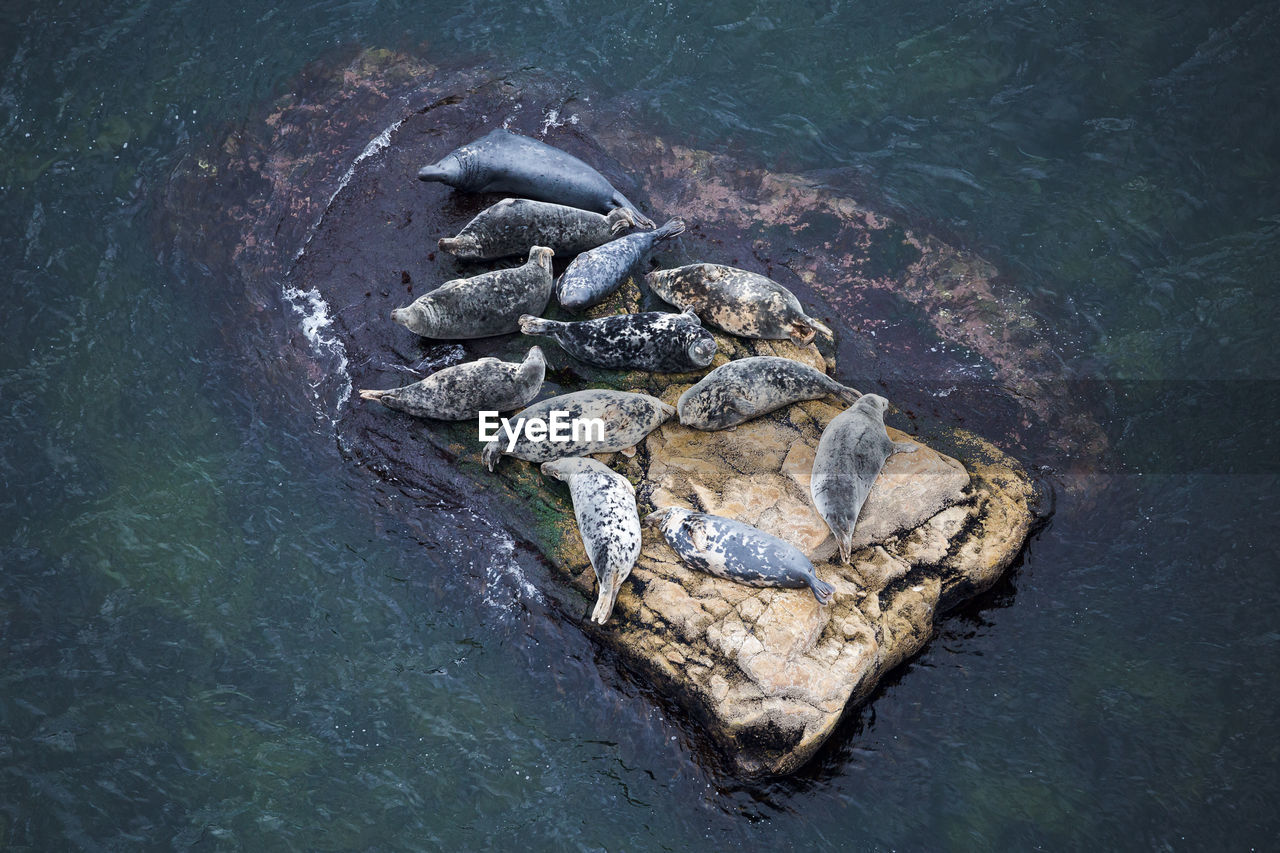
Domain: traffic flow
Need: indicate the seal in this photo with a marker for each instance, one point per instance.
(750, 387)
(653, 340)
(850, 454)
(484, 305)
(731, 549)
(459, 392)
(512, 225)
(741, 303)
(595, 274)
(506, 162)
(604, 504)
(627, 418)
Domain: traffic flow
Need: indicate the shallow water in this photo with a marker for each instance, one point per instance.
(216, 633)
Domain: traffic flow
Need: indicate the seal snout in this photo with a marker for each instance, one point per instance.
(370, 394)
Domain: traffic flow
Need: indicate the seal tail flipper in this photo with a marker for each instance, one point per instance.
(822, 590)
(670, 229)
(847, 394)
(801, 334)
(491, 454)
(846, 547)
(531, 325)
(609, 586)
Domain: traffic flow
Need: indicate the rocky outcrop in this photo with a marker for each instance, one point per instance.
(305, 199)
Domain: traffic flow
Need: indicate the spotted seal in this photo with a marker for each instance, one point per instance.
(625, 418)
(458, 392)
(512, 225)
(740, 302)
(653, 340)
(506, 162)
(850, 454)
(594, 274)
(604, 504)
(484, 305)
(750, 387)
(731, 549)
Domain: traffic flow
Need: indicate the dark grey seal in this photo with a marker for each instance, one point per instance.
(740, 302)
(850, 455)
(653, 340)
(737, 551)
(624, 419)
(459, 392)
(595, 274)
(484, 305)
(604, 503)
(750, 387)
(512, 225)
(506, 162)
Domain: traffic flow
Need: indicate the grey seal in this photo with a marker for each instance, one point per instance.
(506, 162)
(625, 419)
(484, 305)
(850, 454)
(740, 302)
(604, 503)
(732, 549)
(458, 392)
(652, 340)
(750, 387)
(594, 274)
(512, 225)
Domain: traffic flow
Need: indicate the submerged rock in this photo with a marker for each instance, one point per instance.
(307, 200)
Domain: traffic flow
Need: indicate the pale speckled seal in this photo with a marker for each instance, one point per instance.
(506, 162)
(750, 387)
(484, 305)
(737, 551)
(851, 452)
(604, 504)
(740, 302)
(457, 393)
(512, 225)
(627, 418)
(595, 274)
(652, 340)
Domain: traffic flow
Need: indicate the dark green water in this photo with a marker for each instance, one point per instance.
(214, 636)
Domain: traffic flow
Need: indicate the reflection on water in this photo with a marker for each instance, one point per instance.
(214, 632)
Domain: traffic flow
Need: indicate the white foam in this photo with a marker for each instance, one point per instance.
(317, 327)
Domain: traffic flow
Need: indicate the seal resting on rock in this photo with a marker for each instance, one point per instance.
(850, 454)
(484, 305)
(750, 387)
(457, 393)
(652, 340)
(506, 162)
(595, 274)
(741, 303)
(731, 549)
(512, 225)
(622, 419)
(604, 504)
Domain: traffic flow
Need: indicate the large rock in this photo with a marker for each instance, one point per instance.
(303, 202)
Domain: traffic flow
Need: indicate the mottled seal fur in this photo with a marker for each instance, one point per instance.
(604, 504)
(506, 162)
(628, 418)
(750, 387)
(653, 340)
(851, 452)
(512, 225)
(740, 302)
(457, 393)
(595, 274)
(484, 305)
(737, 551)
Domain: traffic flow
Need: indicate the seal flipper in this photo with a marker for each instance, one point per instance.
(620, 219)
(697, 530)
(822, 590)
(620, 200)
(904, 447)
(531, 325)
(801, 334)
(491, 454)
(628, 451)
(845, 393)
